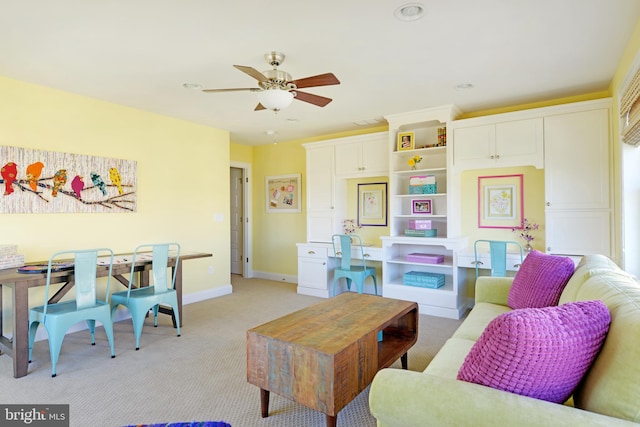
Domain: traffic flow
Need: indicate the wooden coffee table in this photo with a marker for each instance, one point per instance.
(323, 356)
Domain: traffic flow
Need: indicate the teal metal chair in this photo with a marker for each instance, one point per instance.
(355, 273)
(58, 317)
(498, 255)
(142, 299)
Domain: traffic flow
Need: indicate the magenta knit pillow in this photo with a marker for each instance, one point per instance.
(540, 280)
(538, 352)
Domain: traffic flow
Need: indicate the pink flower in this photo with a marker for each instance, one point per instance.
(524, 231)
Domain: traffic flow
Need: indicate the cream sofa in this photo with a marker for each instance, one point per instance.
(609, 394)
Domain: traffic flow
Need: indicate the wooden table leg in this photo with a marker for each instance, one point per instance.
(264, 402)
(332, 421)
(178, 288)
(20, 330)
(1, 327)
(404, 359)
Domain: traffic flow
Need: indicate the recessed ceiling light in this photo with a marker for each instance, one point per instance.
(191, 85)
(464, 86)
(409, 12)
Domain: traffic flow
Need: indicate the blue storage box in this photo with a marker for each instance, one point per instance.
(423, 279)
(421, 233)
(423, 189)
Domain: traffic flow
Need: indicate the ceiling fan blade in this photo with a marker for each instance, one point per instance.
(319, 80)
(252, 72)
(237, 89)
(318, 100)
(259, 107)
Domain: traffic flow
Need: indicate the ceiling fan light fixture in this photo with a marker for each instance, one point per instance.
(275, 99)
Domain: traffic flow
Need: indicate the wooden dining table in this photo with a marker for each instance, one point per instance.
(17, 346)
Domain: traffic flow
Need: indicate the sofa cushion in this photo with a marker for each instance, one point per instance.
(540, 280)
(478, 319)
(447, 362)
(538, 352)
(612, 385)
(589, 266)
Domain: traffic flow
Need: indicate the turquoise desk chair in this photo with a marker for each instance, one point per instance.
(498, 255)
(356, 273)
(58, 317)
(140, 300)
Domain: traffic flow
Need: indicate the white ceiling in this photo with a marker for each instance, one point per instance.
(139, 53)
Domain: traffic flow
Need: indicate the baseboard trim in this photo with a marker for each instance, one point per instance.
(275, 276)
(208, 294)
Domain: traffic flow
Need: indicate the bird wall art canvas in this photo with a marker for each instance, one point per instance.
(37, 181)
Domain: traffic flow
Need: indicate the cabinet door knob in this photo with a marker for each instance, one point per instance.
(548, 203)
(477, 263)
(311, 253)
(492, 157)
(497, 156)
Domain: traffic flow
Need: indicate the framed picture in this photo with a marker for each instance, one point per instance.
(406, 141)
(421, 206)
(500, 201)
(372, 204)
(283, 193)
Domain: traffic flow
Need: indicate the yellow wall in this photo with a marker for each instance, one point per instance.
(275, 234)
(241, 153)
(181, 168)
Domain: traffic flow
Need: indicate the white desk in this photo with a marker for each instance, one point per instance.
(316, 264)
(467, 260)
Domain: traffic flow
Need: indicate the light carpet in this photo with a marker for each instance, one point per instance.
(198, 376)
(191, 424)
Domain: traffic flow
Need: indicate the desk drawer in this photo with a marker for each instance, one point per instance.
(468, 261)
(310, 251)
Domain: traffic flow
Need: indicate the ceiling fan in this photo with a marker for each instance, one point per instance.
(277, 89)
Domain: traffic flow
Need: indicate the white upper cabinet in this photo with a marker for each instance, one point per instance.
(320, 193)
(329, 164)
(479, 145)
(577, 160)
(577, 176)
(363, 155)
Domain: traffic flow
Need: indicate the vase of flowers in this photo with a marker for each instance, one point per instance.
(525, 232)
(350, 226)
(413, 161)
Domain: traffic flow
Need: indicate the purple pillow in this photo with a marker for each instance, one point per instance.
(540, 280)
(538, 352)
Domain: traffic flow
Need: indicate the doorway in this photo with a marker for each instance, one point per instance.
(240, 221)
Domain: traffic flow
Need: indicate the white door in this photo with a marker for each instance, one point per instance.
(236, 221)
